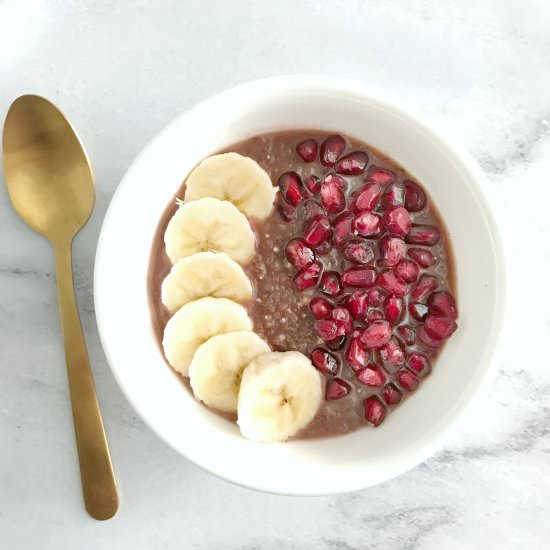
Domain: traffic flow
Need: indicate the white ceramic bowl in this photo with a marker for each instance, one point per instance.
(357, 460)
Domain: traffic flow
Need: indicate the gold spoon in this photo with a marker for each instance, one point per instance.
(51, 186)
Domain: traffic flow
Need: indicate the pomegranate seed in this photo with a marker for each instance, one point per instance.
(318, 231)
(313, 184)
(439, 328)
(426, 339)
(332, 194)
(425, 285)
(376, 297)
(392, 355)
(320, 308)
(407, 271)
(391, 394)
(374, 315)
(397, 221)
(394, 196)
(308, 276)
(342, 227)
(312, 209)
(331, 149)
(418, 311)
(341, 313)
(442, 304)
(394, 307)
(337, 180)
(407, 380)
(380, 175)
(418, 363)
(286, 211)
(330, 283)
(371, 375)
(366, 224)
(291, 187)
(359, 276)
(337, 344)
(392, 250)
(376, 334)
(337, 388)
(388, 281)
(327, 329)
(325, 361)
(357, 304)
(352, 164)
(423, 257)
(343, 319)
(427, 235)
(375, 412)
(366, 198)
(356, 356)
(299, 254)
(307, 150)
(407, 334)
(415, 198)
(359, 252)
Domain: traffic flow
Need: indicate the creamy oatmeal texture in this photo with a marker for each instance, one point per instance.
(282, 314)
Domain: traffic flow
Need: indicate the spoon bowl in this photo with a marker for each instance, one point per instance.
(49, 177)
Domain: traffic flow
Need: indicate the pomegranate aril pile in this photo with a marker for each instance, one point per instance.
(367, 255)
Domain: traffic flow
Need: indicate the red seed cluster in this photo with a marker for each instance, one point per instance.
(382, 313)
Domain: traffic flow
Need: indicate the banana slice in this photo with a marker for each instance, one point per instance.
(280, 394)
(235, 178)
(217, 367)
(204, 274)
(197, 321)
(209, 225)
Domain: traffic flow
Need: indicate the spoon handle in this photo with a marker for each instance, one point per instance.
(96, 470)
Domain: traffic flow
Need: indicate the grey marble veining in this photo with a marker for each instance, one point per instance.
(121, 70)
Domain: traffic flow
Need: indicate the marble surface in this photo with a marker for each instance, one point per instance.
(120, 71)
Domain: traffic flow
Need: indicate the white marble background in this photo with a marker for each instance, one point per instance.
(121, 70)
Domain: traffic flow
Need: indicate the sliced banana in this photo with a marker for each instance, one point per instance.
(217, 367)
(232, 177)
(196, 322)
(204, 274)
(209, 225)
(280, 394)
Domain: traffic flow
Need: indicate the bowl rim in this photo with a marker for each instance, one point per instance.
(301, 82)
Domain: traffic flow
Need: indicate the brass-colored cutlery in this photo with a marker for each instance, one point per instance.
(51, 186)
